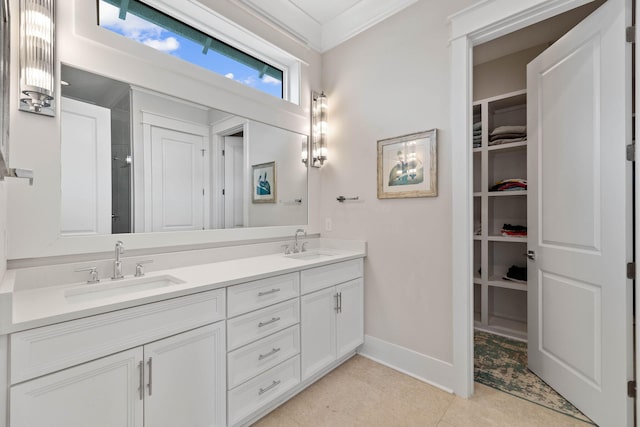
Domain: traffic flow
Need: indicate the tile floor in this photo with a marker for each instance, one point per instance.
(364, 393)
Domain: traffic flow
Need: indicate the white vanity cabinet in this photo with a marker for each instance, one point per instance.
(264, 343)
(163, 362)
(332, 318)
(222, 357)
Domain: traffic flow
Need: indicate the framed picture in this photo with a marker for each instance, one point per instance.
(407, 166)
(264, 183)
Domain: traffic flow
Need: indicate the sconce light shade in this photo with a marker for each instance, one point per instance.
(319, 129)
(304, 152)
(37, 58)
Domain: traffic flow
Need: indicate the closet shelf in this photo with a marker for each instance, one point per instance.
(514, 146)
(499, 282)
(500, 306)
(506, 239)
(506, 193)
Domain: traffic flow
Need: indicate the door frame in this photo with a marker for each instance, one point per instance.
(219, 130)
(480, 23)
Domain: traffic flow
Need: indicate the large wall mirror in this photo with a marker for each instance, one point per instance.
(135, 160)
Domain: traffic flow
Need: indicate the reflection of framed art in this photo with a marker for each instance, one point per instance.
(264, 183)
(407, 166)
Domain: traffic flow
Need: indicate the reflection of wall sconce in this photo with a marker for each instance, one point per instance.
(318, 129)
(304, 152)
(37, 59)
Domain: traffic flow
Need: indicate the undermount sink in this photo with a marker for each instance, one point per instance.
(310, 255)
(108, 288)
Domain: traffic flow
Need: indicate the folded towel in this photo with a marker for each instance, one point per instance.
(507, 141)
(509, 129)
(477, 126)
(507, 136)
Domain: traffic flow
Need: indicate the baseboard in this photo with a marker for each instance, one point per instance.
(419, 366)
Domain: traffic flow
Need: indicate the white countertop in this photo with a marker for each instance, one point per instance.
(30, 308)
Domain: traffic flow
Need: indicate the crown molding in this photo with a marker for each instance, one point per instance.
(321, 38)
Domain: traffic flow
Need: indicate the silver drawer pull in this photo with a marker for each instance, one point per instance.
(268, 322)
(271, 353)
(266, 389)
(272, 291)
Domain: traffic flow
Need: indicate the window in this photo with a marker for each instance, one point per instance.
(144, 24)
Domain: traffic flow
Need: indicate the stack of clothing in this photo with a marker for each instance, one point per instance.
(477, 135)
(516, 274)
(509, 230)
(507, 135)
(510, 185)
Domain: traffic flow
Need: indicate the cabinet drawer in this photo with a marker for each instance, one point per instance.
(51, 348)
(329, 275)
(250, 327)
(253, 359)
(258, 392)
(261, 293)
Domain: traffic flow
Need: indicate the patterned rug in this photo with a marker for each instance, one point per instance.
(501, 363)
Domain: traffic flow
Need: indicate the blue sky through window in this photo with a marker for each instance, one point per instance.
(152, 35)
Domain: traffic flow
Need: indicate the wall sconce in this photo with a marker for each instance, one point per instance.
(37, 56)
(319, 129)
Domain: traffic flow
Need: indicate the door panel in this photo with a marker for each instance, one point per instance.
(579, 211)
(186, 379)
(102, 393)
(350, 327)
(85, 173)
(318, 323)
(177, 180)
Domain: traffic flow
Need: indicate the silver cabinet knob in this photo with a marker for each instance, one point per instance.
(531, 255)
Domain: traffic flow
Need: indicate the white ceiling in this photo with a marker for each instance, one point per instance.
(324, 24)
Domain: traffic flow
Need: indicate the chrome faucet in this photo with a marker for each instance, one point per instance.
(117, 264)
(296, 249)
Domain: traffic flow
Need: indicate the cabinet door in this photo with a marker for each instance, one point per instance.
(350, 324)
(318, 311)
(185, 379)
(102, 393)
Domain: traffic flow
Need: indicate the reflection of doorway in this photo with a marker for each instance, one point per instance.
(94, 90)
(234, 185)
(230, 136)
(85, 175)
(578, 303)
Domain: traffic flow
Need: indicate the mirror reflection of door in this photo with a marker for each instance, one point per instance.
(86, 168)
(177, 180)
(234, 181)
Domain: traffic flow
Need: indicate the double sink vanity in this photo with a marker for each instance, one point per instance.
(213, 344)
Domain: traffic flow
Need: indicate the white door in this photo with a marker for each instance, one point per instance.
(102, 393)
(579, 216)
(318, 323)
(177, 180)
(350, 325)
(85, 172)
(186, 379)
(234, 188)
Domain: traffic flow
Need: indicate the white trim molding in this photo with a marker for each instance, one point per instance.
(321, 36)
(420, 366)
(480, 23)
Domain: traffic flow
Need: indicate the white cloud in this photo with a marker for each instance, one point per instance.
(249, 81)
(165, 45)
(133, 27)
(271, 81)
(229, 76)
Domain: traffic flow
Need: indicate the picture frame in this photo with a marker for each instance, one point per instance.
(264, 183)
(408, 166)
